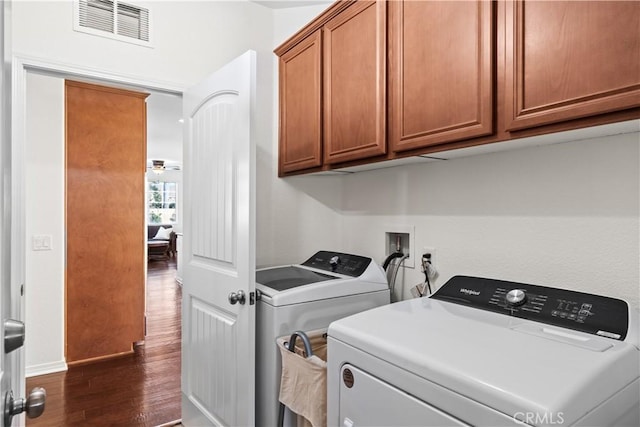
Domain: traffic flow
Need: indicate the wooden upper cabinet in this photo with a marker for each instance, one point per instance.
(354, 45)
(300, 106)
(570, 59)
(457, 73)
(440, 72)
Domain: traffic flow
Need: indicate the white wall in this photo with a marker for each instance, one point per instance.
(563, 215)
(190, 38)
(44, 197)
(296, 216)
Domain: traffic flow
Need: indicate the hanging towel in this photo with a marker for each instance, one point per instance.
(303, 386)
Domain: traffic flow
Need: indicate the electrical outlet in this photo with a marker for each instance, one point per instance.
(429, 250)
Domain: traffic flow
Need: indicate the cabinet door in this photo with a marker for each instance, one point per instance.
(570, 59)
(300, 106)
(440, 72)
(354, 83)
(105, 211)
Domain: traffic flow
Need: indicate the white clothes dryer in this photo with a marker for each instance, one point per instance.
(486, 352)
(306, 297)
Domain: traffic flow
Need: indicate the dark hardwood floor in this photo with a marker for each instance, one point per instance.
(141, 389)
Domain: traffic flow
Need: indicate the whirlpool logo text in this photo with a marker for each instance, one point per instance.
(469, 292)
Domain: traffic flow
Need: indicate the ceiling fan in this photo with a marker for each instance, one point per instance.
(158, 166)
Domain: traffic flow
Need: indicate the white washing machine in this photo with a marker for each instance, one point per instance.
(326, 287)
(485, 352)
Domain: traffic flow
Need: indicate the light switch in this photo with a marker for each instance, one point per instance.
(41, 242)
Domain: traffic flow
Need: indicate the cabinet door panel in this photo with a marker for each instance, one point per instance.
(570, 59)
(354, 83)
(105, 167)
(440, 72)
(300, 106)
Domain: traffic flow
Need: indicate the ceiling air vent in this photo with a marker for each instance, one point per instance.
(114, 19)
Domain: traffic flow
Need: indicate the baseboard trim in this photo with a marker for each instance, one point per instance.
(45, 368)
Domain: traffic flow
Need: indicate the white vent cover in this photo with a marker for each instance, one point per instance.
(114, 19)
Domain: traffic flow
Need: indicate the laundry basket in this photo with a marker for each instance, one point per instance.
(303, 384)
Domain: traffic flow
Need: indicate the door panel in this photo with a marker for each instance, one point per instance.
(300, 106)
(214, 358)
(11, 363)
(440, 72)
(354, 77)
(218, 339)
(105, 214)
(15, 401)
(570, 59)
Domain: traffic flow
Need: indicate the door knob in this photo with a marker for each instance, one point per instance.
(235, 297)
(33, 405)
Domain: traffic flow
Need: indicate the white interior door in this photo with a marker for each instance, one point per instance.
(218, 336)
(7, 376)
(12, 376)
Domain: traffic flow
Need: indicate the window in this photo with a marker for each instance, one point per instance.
(114, 19)
(162, 202)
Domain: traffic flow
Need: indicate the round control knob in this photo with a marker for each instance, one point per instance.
(516, 297)
(334, 261)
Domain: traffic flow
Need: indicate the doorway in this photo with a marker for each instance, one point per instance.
(45, 243)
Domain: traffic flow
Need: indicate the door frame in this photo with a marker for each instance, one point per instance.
(21, 65)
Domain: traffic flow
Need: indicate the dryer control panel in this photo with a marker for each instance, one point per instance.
(336, 262)
(594, 314)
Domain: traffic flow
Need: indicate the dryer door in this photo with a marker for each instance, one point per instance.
(367, 401)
